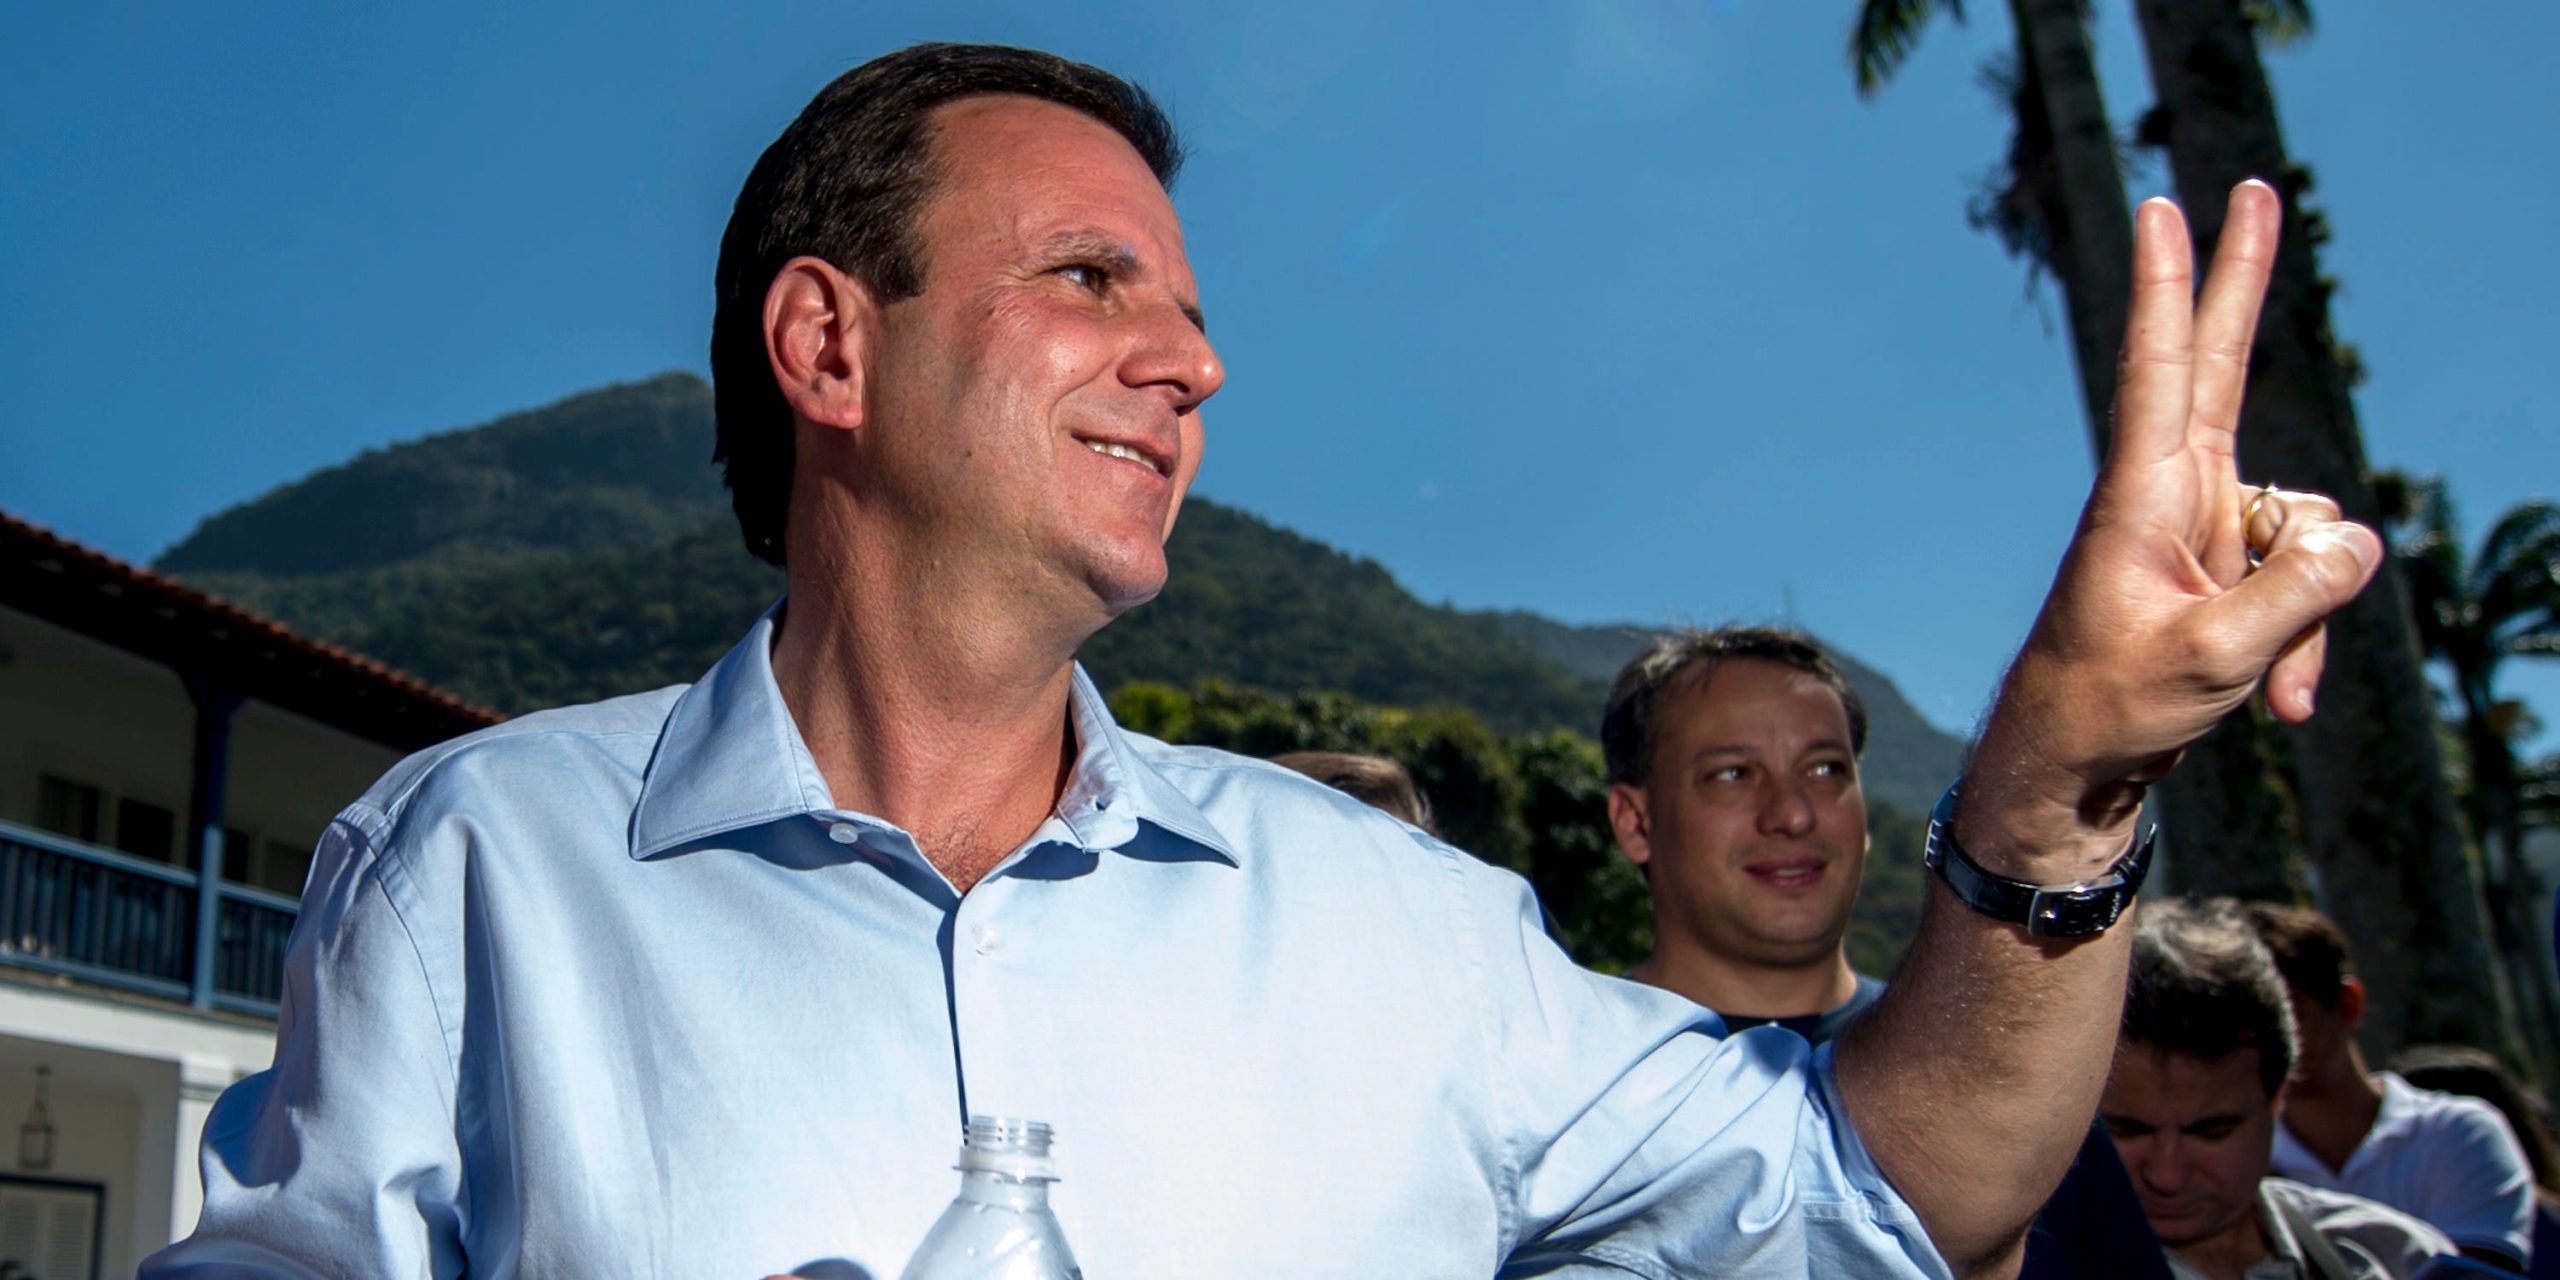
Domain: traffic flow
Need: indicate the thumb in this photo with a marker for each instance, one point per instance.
(2314, 568)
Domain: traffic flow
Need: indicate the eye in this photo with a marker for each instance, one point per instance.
(1729, 773)
(1091, 277)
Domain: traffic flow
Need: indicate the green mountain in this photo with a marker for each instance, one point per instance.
(585, 549)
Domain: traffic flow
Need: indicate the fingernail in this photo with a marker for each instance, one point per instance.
(2303, 700)
(2254, 182)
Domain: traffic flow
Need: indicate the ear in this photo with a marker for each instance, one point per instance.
(818, 323)
(1629, 818)
(2351, 1002)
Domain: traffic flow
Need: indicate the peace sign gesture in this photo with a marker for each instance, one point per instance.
(2182, 587)
(1974, 1078)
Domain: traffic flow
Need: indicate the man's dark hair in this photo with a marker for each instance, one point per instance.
(1627, 730)
(845, 183)
(2204, 986)
(2310, 950)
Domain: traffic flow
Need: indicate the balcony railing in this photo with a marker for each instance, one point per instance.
(126, 922)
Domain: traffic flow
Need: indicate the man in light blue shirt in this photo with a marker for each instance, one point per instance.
(701, 982)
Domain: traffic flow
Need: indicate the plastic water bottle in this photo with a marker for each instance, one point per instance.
(999, 1227)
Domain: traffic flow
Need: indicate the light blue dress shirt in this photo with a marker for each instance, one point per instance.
(618, 990)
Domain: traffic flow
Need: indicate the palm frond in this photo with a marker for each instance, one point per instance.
(1885, 34)
(2278, 22)
(2516, 574)
(2433, 569)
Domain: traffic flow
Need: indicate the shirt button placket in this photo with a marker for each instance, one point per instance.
(978, 992)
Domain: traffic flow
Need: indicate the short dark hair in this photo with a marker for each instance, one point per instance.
(1627, 729)
(2204, 986)
(1376, 781)
(2310, 950)
(845, 183)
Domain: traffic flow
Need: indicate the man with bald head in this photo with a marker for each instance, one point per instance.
(703, 981)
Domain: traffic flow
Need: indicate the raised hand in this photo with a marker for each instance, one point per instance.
(2159, 623)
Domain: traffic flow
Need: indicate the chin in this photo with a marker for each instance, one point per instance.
(1126, 586)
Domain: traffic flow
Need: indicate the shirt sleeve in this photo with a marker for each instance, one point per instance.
(340, 1159)
(1638, 1143)
(2478, 1190)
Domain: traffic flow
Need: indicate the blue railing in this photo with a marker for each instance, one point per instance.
(129, 923)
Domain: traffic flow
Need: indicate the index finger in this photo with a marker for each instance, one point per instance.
(2155, 375)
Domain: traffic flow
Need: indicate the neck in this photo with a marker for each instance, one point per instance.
(1745, 988)
(2331, 1110)
(2228, 1254)
(944, 718)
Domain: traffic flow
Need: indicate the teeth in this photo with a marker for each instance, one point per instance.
(1120, 451)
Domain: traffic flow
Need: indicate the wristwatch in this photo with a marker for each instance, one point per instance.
(2044, 911)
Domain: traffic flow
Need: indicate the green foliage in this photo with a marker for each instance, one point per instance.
(1887, 916)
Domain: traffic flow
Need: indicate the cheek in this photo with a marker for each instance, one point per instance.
(1193, 441)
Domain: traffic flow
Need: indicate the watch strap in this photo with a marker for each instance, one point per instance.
(2045, 911)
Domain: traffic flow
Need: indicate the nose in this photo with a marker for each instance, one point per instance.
(1786, 808)
(1173, 353)
(2159, 1166)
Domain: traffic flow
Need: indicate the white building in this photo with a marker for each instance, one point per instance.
(152, 740)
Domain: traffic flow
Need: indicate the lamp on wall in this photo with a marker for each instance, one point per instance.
(35, 1137)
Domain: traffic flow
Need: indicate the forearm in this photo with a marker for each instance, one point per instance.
(1972, 1082)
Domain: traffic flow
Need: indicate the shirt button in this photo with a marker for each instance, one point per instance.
(985, 936)
(844, 833)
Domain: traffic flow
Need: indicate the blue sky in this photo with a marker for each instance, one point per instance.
(1614, 310)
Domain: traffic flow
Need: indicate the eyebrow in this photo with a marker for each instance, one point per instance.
(1744, 749)
(1118, 256)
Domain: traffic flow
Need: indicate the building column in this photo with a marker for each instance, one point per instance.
(168, 1189)
(207, 788)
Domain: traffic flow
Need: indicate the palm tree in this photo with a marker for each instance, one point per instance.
(2058, 200)
(2380, 823)
(2473, 612)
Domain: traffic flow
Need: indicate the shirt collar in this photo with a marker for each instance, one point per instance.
(2283, 1250)
(730, 757)
(2399, 1109)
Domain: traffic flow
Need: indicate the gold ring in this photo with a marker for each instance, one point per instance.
(2249, 524)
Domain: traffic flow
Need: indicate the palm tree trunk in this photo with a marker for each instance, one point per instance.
(2229, 831)
(2230, 825)
(2515, 898)
(2092, 230)
(2378, 817)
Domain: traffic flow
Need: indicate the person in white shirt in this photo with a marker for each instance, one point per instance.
(2450, 1160)
(2206, 1045)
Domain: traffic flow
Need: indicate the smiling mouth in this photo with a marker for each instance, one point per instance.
(1124, 451)
(1787, 875)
